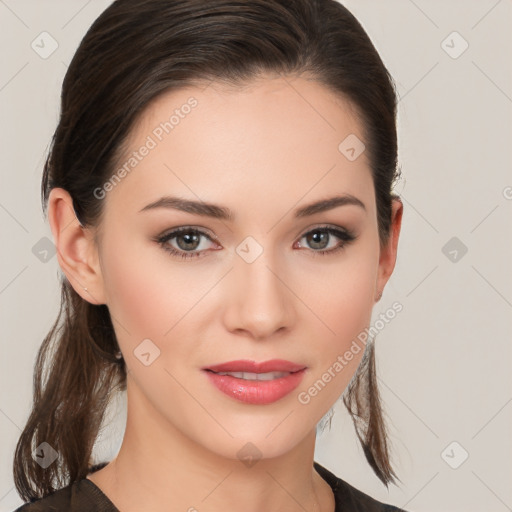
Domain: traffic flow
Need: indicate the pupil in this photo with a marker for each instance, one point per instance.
(317, 236)
(189, 239)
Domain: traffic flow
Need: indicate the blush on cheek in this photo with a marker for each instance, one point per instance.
(147, 301)
(347, 313)
(130, 287)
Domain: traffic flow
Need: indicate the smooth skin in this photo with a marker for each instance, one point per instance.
(262, 151)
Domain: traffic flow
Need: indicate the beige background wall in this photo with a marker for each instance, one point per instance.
(444, 361)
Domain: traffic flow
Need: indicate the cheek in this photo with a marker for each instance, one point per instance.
(140, 299)
(151, 296)
(342, 298)
(342, 292)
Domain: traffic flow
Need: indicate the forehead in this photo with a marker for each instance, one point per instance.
(274, 139)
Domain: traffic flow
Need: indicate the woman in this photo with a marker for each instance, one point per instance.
(219, 192)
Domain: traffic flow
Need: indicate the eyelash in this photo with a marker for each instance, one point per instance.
(345, 235)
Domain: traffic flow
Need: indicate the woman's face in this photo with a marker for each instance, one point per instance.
(254, 286)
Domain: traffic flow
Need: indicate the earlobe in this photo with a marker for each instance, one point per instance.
(388, 253)
(76, 251)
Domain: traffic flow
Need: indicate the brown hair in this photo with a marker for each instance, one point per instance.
(135, 51)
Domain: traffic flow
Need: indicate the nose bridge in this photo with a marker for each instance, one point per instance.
(261, 302)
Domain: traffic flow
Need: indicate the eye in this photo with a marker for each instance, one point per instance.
(188, 239)
(320, 237)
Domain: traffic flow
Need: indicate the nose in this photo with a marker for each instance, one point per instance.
(260, 302)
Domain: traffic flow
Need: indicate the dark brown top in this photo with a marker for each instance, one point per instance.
(85, 496)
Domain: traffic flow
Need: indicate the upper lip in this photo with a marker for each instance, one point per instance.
(273, 365)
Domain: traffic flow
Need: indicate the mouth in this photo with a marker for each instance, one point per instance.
(256, 383)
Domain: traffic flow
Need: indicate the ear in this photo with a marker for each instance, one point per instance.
(388, 252)
(77, 253)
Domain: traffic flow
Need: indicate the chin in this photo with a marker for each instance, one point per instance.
(265, 438)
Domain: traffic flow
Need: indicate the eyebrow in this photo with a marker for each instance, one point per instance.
(224, 213)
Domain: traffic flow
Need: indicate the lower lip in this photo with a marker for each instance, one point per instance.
(256, 391)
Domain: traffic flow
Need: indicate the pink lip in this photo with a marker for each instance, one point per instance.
(273, 365)
(253, 391)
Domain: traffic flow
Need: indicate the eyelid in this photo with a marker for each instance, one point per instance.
(180, 229)
(325, 225)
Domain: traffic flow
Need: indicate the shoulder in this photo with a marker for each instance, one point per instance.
(58, 500)
(80, 496)
(351, 499)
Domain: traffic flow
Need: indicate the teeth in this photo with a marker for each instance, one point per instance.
(255, 376)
